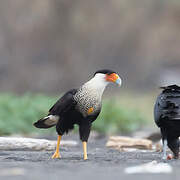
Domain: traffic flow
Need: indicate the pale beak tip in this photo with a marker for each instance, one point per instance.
(118, 82)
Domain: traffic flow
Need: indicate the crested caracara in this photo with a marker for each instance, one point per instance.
(167, 118)
(79, 106)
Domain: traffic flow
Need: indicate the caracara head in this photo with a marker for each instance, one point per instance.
(107, 76)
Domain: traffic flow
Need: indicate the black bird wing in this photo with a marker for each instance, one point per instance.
(158, 109)
(65, 103)
(167, 104)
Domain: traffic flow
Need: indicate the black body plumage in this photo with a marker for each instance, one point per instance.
(167, 116)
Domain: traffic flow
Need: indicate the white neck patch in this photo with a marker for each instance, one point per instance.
(97, 83)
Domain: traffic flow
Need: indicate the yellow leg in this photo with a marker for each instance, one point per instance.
(56, 154)
(85, 150)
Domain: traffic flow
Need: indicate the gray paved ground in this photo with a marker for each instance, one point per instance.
(103, 163)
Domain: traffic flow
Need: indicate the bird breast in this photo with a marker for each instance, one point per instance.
(88, 101)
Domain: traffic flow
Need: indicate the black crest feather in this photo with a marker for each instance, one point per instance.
(170, 88)
(104, 71)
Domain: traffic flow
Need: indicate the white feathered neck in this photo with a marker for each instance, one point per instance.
(97, 84)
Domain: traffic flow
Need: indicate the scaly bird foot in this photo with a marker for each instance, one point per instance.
(85, 157)
(56, 155)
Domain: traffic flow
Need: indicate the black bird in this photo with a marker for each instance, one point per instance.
(167, 118)
(79, 106)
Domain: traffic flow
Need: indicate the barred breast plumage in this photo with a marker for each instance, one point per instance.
(87, 98)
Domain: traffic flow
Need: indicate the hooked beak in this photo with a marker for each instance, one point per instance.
(114, 78)
(119, 82)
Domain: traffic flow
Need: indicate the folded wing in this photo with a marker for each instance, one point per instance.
(168, 104)
(63, 105)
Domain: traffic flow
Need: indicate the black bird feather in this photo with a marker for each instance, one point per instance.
(167, 117)
(63, 105)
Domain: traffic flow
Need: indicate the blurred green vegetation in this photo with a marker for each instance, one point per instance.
(18, 113)
(115, 118)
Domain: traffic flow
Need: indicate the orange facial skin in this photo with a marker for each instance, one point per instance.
(112, 77)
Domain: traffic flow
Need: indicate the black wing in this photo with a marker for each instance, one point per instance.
(167, 105)
(65, 103)
(62, 105)
(158, 109)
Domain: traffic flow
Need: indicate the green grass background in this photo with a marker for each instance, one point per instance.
(119, 114)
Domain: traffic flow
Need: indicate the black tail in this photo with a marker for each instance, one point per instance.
(47, 122)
